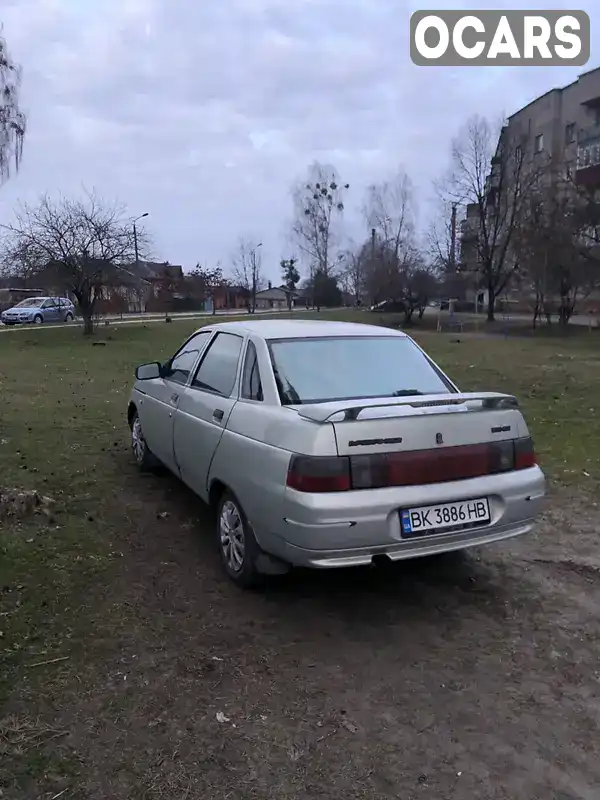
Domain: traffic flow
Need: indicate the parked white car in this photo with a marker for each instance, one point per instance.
(327, 444)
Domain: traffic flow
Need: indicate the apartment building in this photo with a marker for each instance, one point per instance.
(562, 125)
(565, 125)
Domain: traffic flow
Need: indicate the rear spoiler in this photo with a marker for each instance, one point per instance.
(323, 412)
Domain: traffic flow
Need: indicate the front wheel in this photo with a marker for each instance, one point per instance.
(144, 457)
(238, 547)
(38, 319)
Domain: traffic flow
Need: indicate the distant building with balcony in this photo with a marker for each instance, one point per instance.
(561, 126)
(564, 124)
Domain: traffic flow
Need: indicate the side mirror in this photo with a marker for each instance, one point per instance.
(147, 372)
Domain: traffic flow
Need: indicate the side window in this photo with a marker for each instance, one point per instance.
(251, 383)
(49, 304)
(183, 361)
(218, 368)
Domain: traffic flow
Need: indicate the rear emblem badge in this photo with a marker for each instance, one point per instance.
(439, 439)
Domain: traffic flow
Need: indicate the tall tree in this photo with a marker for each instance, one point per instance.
(207, 280)
(555, 247)
(247, 270)
(12, 118)
(318, 210)
(355, 268)
(290, 276)
(493, 175)
(389, 211)
(79, 246)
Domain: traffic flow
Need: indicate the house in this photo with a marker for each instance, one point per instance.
(276, 297)
(142, 286)
(227, 296)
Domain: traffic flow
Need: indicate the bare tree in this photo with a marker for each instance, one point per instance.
(390, 209)
(420, 282)
(206, 281)
(556, 248)
(12, 118)
(355, 268)
(80, 246)
(247, 270)
(493, 175)
(318, 208)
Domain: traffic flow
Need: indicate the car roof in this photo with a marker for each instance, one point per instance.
(45, 297)
(301, 328)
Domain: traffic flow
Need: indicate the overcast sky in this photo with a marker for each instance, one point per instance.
(204, 112)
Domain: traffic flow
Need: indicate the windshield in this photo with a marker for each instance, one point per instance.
(350, 368)
(31, 302)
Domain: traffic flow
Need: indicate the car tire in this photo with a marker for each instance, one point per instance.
(237, 543)
(69, 318)
(144, 457)
(38, 319)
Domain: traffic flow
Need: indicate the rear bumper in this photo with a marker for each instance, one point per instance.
(427, 546)
(351, 528)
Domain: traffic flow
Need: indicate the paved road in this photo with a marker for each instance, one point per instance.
(133, 319)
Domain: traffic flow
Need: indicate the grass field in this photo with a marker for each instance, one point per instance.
(66, 580)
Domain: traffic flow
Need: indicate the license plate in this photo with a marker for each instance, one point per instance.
(428, 519)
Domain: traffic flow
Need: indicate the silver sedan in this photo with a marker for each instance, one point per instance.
(326, 444)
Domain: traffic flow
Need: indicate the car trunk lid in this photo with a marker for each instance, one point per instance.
(426, 439)
(419, 422)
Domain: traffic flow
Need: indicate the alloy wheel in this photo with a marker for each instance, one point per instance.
(231, 532)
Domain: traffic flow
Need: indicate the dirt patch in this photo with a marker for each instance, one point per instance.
(16, 504)
(461, 677)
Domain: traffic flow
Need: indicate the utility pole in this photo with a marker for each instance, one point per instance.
(254, 277)
(453, 239)
(452, 259)
(373, 233)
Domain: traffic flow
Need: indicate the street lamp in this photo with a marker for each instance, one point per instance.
(135, 246)
(135, 240)
(254, 275)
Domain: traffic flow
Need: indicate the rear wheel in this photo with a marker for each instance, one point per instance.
(238, 547)
(38, 319)
(69, 317)
(144, 457)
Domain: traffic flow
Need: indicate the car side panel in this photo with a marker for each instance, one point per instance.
(254, 469)
(52, 314)
(197, 434)
(156, 406)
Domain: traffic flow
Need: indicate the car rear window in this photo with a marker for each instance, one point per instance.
(318, 370)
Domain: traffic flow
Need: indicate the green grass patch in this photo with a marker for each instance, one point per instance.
(63, 433)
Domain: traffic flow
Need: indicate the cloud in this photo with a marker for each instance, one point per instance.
(203, 114)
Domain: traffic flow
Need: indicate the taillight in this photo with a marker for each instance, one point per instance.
(420, 467)
(524, 453)
(319, 474)
(408, 468)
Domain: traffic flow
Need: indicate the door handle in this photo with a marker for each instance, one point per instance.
(218, 415)
(174, 397)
